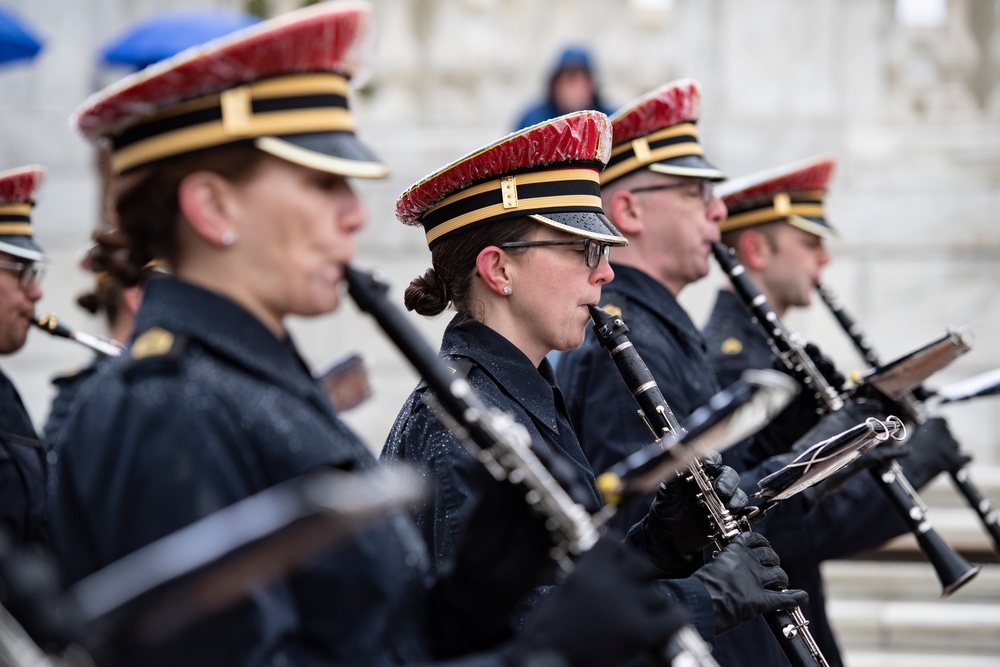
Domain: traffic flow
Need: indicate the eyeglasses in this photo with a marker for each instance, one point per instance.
(28, 273)
(592, 250)
(705, 189)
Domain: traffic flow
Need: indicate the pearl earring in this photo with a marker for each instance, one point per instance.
(227, 237)
(506, 289)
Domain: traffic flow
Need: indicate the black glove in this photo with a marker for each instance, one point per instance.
(607, 612)
(932, 450)
(677, 527)
(745, 580)
(802, 414)
(852, 414)
(826, 367)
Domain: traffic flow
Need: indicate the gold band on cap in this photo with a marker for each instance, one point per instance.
(238, 119)
(632, 155)
(782, 206)
(17, 208)
(508, 199)
(15, 229)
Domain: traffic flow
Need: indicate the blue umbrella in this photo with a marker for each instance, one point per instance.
(167, 34)
(17, 41)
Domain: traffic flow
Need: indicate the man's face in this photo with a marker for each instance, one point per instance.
(680, 222)
(795, 261)
(17, 305)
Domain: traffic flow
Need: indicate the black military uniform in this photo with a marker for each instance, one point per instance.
(210, 408)
(855, 518)
(504, 379)
(68, 388)
(22, 471)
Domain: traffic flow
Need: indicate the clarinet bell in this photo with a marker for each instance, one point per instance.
(953, 570)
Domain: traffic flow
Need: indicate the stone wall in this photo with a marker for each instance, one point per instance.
(911, 112)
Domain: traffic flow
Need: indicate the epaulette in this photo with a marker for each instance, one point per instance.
(155, 349)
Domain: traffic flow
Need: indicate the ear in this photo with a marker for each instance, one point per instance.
(492, 266)
(207, 201)
(753, 249)
(626, 212)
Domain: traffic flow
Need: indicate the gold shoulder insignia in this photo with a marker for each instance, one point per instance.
(154, 342)
(612, 310)
(732, 346)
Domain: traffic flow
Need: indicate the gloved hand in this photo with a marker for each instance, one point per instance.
(933, 450)
(825, 365)
(803, 413)
(745, 580)
(606, 612)
(677, 527)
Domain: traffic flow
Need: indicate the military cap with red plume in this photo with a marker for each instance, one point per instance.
(659, 132)
(792, 193)
(549, 172)
(281, 84)
(17, 191)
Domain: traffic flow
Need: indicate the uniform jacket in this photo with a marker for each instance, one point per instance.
(853, 519)
(22, 472)
(605, 415)
(224, 410)
(504, 379)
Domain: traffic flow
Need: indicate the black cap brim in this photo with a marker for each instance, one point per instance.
(583, 223)
(339, 153)
(24, 247)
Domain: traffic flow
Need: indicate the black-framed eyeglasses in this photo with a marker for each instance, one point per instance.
(592, 250)
(28, 272)
(705, 188)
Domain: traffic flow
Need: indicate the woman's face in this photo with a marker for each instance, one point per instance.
(297, 235)
(551, 287)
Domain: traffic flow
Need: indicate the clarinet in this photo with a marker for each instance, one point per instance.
(504, 448)
(789, 626)
(917, 411)
(952, 569)
(103, 346)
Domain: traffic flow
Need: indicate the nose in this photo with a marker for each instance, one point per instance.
(603, 273)
(824, 255)
(717, 212)
(34, 291)
(353, 212)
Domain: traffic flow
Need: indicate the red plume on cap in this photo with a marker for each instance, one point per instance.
(19, 185)
(806, 175)
(582, 136)
(670, 104)
(322, 38)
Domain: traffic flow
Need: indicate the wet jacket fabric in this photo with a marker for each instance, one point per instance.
(67, 390)
(22, 472)
(504, 379)
(223, 410)
(853, 519)
(605, 415)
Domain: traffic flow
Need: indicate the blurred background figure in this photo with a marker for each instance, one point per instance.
(572, 87)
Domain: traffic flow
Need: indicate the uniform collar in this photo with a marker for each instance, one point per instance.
(226, 328)
(533, 388)
(643, 288)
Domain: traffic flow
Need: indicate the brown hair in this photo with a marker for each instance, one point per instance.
(143, 203)
(453, 264)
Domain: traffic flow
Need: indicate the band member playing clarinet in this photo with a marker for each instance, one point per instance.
(778, 229)
(519, 249)
(658, 191)
(231, 164)
(22, 459)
